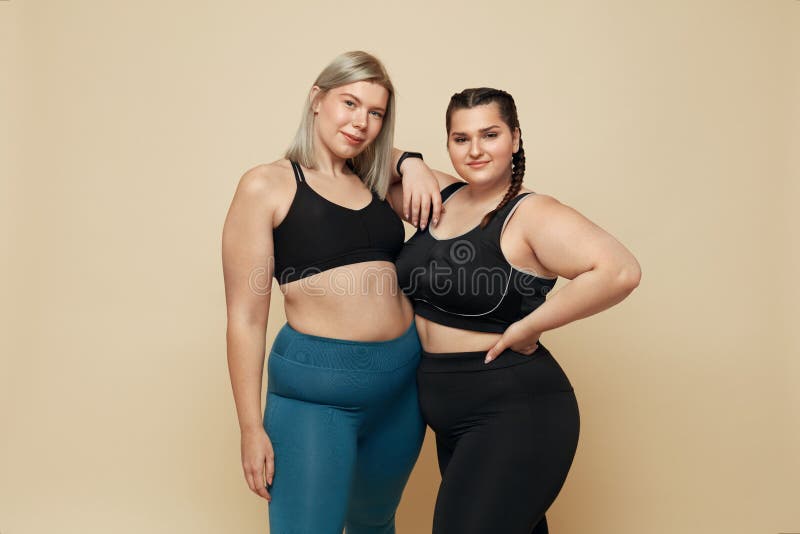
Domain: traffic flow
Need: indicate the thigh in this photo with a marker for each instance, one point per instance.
(387, 451)
(507, 469)
(315, 451)
(444, 451)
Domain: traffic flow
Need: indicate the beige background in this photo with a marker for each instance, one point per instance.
(675, 125)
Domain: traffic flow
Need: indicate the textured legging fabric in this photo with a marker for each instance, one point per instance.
(506, 435)
(344, 421)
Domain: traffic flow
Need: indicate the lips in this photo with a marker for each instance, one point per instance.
(477, 164)
(352, 139)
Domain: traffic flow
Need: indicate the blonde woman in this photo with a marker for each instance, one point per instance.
(341, 429)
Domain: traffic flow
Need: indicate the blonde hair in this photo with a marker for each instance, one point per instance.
(373, 164)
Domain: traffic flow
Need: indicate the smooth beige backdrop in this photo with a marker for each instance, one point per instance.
(675, 125)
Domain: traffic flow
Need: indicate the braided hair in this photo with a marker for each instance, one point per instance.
(469, 98)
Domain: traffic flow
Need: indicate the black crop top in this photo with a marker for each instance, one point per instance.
(465, 281)
(317, 234)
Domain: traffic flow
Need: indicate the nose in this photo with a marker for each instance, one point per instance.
(359, 119)
(475, 147)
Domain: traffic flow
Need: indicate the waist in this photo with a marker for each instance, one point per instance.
(492, 321)
(463, 361)
(438, 337)
(372, 316)
(346, 354)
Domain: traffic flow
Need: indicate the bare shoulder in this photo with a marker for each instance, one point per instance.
(545, 213)
(268, 184)
(266, 176)
(538, 208)
(444, 179)
(538, 203)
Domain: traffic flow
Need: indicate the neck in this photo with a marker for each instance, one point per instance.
(326, 161)
(489, 192)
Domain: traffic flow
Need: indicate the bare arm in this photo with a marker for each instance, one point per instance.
(418, 191)
(395, 193)
(601, 270)
(247, 261)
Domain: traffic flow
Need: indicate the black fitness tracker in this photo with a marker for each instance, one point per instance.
(404, 156)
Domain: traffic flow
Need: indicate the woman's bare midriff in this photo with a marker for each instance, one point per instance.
(358, 302)
(437, 337)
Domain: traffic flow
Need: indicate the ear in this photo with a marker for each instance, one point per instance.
(515, 139)
(313, 98)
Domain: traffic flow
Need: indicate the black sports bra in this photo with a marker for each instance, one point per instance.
(465, 281)
(317, 234)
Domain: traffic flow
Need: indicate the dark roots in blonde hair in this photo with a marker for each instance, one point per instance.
(470, 98)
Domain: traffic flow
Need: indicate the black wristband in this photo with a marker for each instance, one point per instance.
(404, 156)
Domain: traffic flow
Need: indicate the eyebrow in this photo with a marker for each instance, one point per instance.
(482, 130)
(354, 97)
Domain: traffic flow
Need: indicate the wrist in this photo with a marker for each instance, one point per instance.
(529, 328)
(405, 159)
(410, 165)
(249, 428)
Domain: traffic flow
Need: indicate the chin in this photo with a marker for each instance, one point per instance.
(474, 175)
(480, 178)
(346, 152)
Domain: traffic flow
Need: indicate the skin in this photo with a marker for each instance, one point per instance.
(421, 203)
(313, 305)
(543, 237)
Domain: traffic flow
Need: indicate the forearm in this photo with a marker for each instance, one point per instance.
(246, 346)
(585, 295)
(396, 153)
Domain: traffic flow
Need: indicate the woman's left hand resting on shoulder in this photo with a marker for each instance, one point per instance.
(420, 191)
(602, 272)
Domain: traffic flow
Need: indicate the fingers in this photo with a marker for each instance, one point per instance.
(415, 202)
(270, 468)
(425, 210)
(436, 202)
(495, 351)
(502, 344)
(255, 480)
(406, 204)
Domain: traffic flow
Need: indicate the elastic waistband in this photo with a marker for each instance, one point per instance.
(453, 362)
(346, 354)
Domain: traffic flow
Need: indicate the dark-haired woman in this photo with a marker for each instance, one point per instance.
(504, 413)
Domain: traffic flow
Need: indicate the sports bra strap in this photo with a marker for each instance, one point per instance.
(300, 177)
(298, 172)
(450, 189)
(515, 202)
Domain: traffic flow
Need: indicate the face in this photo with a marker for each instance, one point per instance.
(349, 117)
(481, 144)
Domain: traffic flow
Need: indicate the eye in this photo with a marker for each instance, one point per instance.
(377, 114)
(491, 134)
(349, 103)
(459, 139)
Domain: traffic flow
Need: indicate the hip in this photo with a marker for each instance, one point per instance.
(341, 372)
(511, 374)
(457, 389)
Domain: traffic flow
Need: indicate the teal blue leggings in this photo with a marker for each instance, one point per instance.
(346, 428)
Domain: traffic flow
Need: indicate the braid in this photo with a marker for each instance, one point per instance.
(517, 173)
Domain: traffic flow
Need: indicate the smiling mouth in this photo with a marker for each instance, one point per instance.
(353, 139)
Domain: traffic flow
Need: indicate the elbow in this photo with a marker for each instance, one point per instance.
(628, 276)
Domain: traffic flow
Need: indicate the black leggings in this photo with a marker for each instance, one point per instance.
(506, 434)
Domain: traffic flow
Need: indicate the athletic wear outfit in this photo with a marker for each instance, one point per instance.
(343, 416)
(318, 234)
(507, 431)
